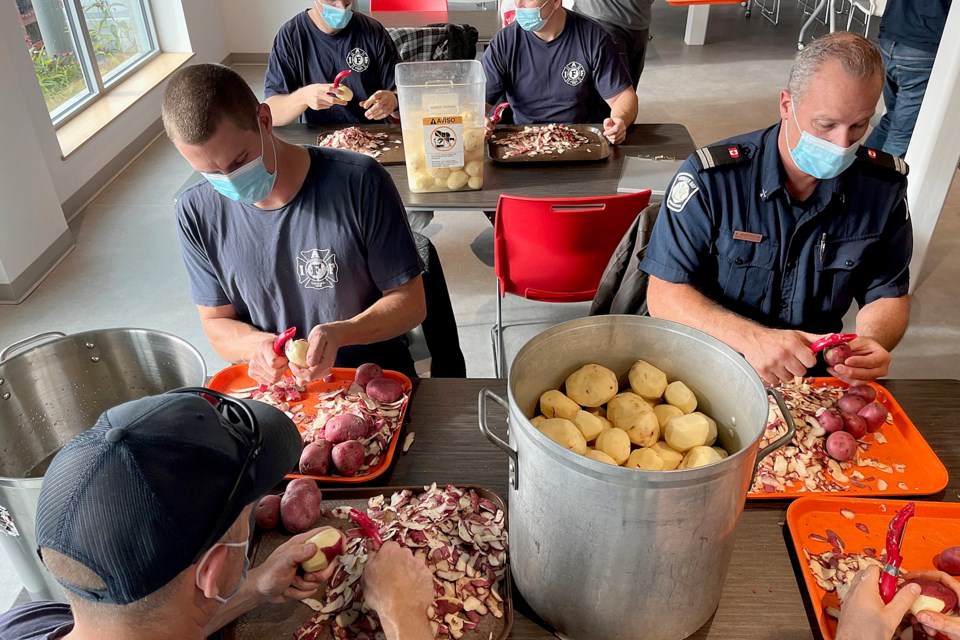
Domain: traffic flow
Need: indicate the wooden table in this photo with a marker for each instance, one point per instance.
(763, 597)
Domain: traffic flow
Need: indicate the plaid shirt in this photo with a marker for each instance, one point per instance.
(417, 44)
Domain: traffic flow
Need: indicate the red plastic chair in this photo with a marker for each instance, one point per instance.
(408, 5)
(556, 249)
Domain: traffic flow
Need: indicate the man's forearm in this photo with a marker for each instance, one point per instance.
(286, 108)
(625, 107)
(399, 311)
(233, 340)
(885, 320)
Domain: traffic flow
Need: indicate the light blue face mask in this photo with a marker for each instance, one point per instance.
(818, 157)
(336, 17)
(530, 19)
(248, 184)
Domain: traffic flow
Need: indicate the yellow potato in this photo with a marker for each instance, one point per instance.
(589, 425)
(473, 139)
(344, 92)
(475, 182)
(441, 183)
(440, 174)
(646, 380)
(680, 396)
(644, 429)
(646, 458)
(600, 456)
(554, 404)
(711, 423)
(666, 411)
(597, 411)
(615, 443)
(536, 420)
(564, 433)
(457, 180)
(415, 161)
(699, 457)
(591, 385)
(605, 423)
(474, 168)
(420, 181)
(723, 452)
(670, 456)
(625, 404)
(686, 432)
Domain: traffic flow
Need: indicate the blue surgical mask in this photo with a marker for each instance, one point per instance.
(531, 20)
(248, 184)
(243, 576)
(336, 17)
(818, 157)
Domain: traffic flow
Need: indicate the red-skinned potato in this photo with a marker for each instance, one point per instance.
(837, 354)
(315, 459)
(864, 391)
(348, 457)
(346, 426)
(850, 404)
(934, 596)
(841, 446)
(268, 512)
(948, 561)
(829, 420)
(384, 390)
(330, 545)
(874, 414)
(367, 372)
(300, 505)
(854, 425)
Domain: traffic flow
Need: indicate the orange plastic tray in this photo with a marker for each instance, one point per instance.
(935, 527)
(234, 378)
(924, 474)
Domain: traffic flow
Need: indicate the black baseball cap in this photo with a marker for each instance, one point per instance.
(155, 483)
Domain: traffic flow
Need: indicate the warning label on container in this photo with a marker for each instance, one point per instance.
(443, 142)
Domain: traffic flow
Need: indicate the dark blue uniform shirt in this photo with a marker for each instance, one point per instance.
(567, 80)
(303, 55)
(732, 231)
(917, 24)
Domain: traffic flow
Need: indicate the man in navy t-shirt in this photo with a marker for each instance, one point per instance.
(316, 45)
(283, 236)
(556, 66)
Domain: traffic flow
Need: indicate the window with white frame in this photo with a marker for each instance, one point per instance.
(80, 48)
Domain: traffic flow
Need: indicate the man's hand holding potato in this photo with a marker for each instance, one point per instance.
(319, 97)
(278, 579)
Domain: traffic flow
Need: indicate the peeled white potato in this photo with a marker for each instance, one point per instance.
(680, 396)
(600, 456)
(475, 182)
(474, 168)
(554, 404)
(666, 411)
(589, 425)
(457, 180)
(712, 424)
(927, 603)
(721, 451)
(646, 458)
(473, 139)
(670, 456)
(615, 443)
(686, 432)
(564, 433)
(646, 380)
(440, 174)
(699, 457)
(591, 385)
(536, 420)
(329, 545)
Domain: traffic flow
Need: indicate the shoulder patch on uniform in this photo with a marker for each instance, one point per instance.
(684, 187)
(719, 155)
(880, 159)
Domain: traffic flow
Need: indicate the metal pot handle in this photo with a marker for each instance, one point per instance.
(35, 338)
(495, 439)
(782, 440)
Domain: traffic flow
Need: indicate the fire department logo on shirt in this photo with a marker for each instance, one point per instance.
(358, 60)
(684, 186)
(573, 73)
(317, 269)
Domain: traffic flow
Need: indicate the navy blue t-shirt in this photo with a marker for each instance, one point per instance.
(567, 80)
(915, 23)
(302, 55)
(326, 256)
(36, 621)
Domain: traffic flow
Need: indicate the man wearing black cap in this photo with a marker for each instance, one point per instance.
(145, 518)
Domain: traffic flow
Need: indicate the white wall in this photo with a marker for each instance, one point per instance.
(252, 24)
(31, 219)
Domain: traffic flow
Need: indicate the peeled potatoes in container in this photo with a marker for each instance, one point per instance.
(652, 424)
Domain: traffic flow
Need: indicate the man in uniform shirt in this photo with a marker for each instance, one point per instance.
(555, 66)
(766, 239)
(628, 23)
(284, 236)
(316, 45)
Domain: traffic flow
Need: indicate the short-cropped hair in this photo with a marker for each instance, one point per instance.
(858, 57)
(198, 98)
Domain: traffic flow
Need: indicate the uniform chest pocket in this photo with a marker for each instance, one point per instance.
(839, 263)
(746, 270)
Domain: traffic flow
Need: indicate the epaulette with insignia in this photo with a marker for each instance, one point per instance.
(720, 155)
(881, 159)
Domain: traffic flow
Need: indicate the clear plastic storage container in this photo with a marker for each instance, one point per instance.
(441, 113)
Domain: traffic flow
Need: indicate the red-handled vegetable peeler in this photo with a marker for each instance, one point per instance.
(340, 76)
(891, 571)
(831, 341)
(368, 527)
(278, 344)
(498, 112)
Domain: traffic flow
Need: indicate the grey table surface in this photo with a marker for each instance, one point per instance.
(536, 180)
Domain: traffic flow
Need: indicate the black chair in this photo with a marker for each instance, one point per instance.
(439, 328)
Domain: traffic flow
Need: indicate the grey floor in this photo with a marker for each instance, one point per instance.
(126, 269)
